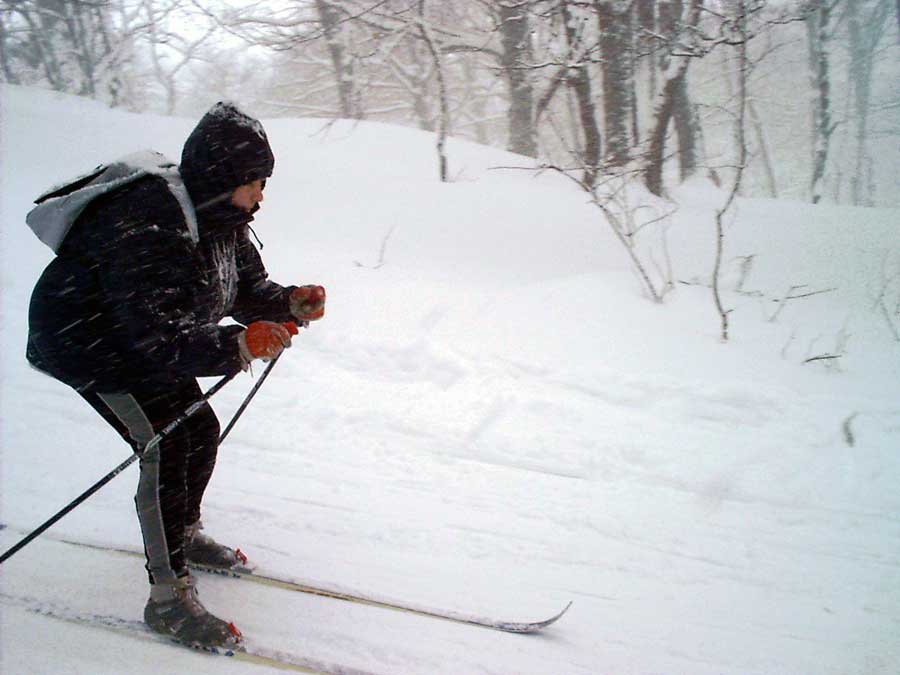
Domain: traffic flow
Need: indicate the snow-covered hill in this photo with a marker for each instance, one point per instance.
(491, 419)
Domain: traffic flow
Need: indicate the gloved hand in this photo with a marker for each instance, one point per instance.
(307, 303)
(265, 340)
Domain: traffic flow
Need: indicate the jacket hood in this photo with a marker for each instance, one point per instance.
(226, 149)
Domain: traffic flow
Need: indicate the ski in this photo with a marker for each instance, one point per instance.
(248, 574)
(348, 595)
(246, 652)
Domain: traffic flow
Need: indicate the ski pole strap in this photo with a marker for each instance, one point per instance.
(165, 431)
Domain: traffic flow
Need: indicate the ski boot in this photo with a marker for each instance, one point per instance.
(174, 610)
(203, 550)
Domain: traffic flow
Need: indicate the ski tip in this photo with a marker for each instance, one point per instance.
(533, 626)
(553, 619)
(564, 610)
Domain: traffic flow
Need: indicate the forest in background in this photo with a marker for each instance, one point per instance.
(786, 99)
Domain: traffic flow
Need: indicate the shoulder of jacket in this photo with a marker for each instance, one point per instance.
(146, 206)
(148, 194)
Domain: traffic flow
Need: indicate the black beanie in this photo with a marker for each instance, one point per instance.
(226, 149)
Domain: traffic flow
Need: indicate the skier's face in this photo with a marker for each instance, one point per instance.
(246, 197)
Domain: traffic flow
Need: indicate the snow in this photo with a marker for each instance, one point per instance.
(492, 419)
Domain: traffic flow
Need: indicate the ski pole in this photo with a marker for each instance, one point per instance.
(163, 433)
(243, 407)
(292, 328)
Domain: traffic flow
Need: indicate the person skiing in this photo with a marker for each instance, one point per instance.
(128, 314)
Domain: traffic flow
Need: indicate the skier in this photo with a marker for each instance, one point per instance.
(127, 314)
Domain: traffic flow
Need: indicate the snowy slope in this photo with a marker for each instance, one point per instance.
(490, 419)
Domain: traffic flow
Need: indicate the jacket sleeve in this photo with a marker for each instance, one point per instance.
(258, 298)
(149, 276)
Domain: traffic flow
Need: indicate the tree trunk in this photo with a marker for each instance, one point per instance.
(111, 58)
(673, 102)
(666, 101)
(348, 99)
(742, 39)
(444, 118)
(864, 35)
(686, 123)
(478, 104)
(817, 28)
(763, 146)
(516, 57)
(8, 74)
(673, 23)
(41, 50)
(579, 81)
(79, 36)
(646, 15)
(647, 21)
(614, 19)
(416, 83)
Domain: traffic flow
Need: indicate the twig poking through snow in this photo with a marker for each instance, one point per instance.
(849, 438)
(381, 252)
(790, 296)
(823, 357)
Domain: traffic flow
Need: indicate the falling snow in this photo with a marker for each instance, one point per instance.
(491, 419)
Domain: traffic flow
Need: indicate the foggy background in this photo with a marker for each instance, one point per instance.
(803, 95)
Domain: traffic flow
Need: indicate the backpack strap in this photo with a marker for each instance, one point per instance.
(57, 209)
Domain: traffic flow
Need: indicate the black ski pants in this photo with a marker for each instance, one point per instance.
(173, 475)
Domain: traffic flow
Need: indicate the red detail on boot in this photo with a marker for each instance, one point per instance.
(240, 556)
(234, 631)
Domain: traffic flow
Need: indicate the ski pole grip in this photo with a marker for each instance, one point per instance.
(294, 327)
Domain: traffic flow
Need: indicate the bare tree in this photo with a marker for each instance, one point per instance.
(866, 24)
(342, 62)
(32, 26)
(578, 78)
(539, 77)
(444, 118)
(738, 34)
(90, 47)
(6, 42)
(819, 34)
(516, 61)
(163, 43)
(67, 46)
(614, 21)
(898, 20)
(678, 23)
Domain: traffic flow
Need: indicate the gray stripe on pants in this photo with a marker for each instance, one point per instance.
(130, 413)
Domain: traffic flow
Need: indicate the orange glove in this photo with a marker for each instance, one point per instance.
(265, 340)
(307, 303)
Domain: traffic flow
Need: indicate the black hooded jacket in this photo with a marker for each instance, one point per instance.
(132, 302)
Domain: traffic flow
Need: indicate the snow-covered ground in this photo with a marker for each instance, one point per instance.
(492, 419)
